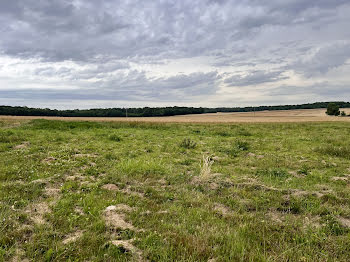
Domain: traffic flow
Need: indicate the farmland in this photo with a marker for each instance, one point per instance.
(301, 115)
(138, 191)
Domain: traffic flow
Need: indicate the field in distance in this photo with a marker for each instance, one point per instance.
(300, 115)
(128, 191)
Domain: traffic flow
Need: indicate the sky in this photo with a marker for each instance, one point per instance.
(68, 54)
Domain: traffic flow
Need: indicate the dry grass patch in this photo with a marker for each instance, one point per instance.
(128, 246)
(22, 146)
(205, 166)
(72, 237)
(115, 219)
(37, 211)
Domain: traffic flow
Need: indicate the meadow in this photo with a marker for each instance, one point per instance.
(133, 191)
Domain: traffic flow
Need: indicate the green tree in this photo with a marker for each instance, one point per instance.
(333, 109)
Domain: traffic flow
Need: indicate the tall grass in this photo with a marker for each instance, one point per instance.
(337, 151)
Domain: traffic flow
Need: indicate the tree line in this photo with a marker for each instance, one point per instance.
(152, 111)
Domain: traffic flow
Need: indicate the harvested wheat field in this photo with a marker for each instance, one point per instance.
(283, 116)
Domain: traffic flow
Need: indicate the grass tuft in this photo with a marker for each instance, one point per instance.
(205, 166)
(188, 143)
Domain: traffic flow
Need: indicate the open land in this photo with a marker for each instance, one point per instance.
(301, 115)
(128, 191)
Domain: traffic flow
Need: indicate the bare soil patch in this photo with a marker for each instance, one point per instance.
(126, 190)
(22, 146)
(115, 219)
(128, 246)
(85, 155)
(72, 237)
(110, 187)
(48, 160)
(37, 211)
(345, 222)
(222, 209)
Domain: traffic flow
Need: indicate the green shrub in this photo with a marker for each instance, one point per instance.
(333, 109)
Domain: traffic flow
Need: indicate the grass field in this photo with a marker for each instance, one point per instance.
(125, 191)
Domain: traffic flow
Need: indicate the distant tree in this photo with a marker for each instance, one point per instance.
(342, 113)
(333, 109)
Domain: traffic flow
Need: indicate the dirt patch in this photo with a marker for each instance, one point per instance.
(39, 181)
(345, 222)
(72, 237)
(79, 210)
(37, 211)
(128, 246)
(128, 190)
(110, 187)
(303, 193)
(163, 212)
(313, 221)
(275, 216)
(340, 178)
(22, 146)
(19, 256)
(213, 186)
(212, 180)
(48, 160)
(257, 186)
(222, 209)
(84, 155)
(52, 191)
(75, 177)
(307, 221)
(255, 155)
(115, 219)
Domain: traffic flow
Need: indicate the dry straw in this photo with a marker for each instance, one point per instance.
(205, 166)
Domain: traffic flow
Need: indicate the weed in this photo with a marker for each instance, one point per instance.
(332, 226)
(114, 138)
(223, 133)
(188, 143)
(244, 132)
(304, 170)
(272, 173)
(242, 145)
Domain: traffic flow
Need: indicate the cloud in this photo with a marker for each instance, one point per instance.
(132, 86)
(187, 50)
(324, 59)
(255, 78)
